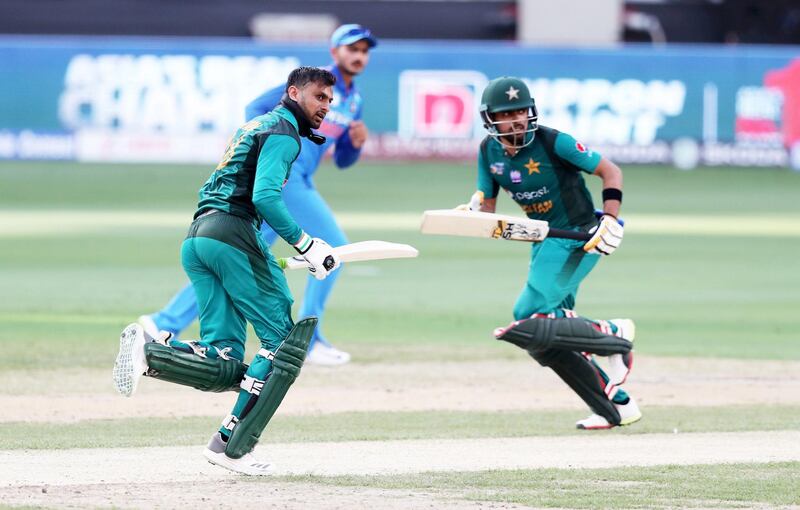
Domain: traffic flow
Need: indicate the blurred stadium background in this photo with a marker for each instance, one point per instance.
(113, 113)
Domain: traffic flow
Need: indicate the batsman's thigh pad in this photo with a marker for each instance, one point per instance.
(565, 334)
(268, 395)
(206, 374)
(580, 375)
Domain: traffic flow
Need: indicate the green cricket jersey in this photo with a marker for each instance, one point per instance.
(256, 165)
(544, 178)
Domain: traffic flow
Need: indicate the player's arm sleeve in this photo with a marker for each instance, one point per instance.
(264, 103)
(569, 149)
(344, 154)
(486, 183)
(274, 161)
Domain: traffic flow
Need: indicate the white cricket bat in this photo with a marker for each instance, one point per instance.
(358, 252)
(455, 222)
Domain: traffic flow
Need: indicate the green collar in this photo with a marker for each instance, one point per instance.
(284, 113)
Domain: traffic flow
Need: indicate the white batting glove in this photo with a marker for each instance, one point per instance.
(474, 204)
(320, 256)
(607, 236)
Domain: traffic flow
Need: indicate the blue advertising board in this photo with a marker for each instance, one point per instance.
(178, 99)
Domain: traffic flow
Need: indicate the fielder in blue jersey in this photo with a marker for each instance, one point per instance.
(344, 130)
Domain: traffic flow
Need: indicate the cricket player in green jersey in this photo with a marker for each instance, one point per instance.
(237, 280)
(542, 170)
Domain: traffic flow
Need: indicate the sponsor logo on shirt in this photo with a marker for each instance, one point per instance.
(516, 176)
(497, 168)
(538, 207)
(529, 195)
(583, 149)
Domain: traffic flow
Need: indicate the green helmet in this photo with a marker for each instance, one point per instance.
(506, 94)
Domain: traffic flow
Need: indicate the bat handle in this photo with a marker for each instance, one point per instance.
(569, 234)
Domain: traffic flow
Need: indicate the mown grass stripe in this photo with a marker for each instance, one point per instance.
(377, 426)
(40, 223)
(699, 486)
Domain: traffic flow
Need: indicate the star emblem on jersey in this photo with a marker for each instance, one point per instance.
(512, 93)
(532, 166)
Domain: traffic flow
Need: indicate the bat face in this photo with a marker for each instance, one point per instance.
(518, 232)
(357, 252)
(482, 224)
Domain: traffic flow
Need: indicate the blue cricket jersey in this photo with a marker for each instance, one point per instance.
(346, 107)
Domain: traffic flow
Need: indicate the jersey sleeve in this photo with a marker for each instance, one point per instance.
(274, 161)
(486, 183)
(569, 149)
(344, 154)
(264, 103)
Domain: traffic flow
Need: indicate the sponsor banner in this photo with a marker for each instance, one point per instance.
(29, 144)
(174, 99)
(102, 145)
(171, 94)
(440, 104)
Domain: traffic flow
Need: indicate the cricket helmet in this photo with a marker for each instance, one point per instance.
(507, 94)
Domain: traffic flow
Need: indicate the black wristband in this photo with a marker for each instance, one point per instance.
(612, 194)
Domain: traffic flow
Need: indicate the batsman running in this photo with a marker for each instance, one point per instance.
(238, 280)
(343, 129)
(542, 170)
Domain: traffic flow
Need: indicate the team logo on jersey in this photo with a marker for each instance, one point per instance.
(497, 168)
(516, 176)
(532, 166)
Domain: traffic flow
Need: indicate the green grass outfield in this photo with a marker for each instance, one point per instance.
(88, 248)
(709, 268)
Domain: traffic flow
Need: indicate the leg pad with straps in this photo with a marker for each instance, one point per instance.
(579, 373)
(538, 334)
(206, 374)
(286, 364)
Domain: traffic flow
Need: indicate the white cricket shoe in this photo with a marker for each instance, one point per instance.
(246, 465)
(149, 325)
(628, 413)
(130, 364)
(620, 365)
(326, 355)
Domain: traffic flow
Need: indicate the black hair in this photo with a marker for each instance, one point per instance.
(302, 76)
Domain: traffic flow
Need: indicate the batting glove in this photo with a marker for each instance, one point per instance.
(607, 236)
(474, 204)
(321, 258)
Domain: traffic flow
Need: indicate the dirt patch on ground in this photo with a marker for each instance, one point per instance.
(412, 386)
(176, 476)
(236, 494)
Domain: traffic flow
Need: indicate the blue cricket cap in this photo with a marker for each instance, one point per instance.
(352, 33)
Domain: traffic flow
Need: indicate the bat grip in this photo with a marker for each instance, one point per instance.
(569, 234)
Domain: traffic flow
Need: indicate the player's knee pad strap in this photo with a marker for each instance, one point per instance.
(189, 369)
(268, 395)
(539, 334)
(580, 375)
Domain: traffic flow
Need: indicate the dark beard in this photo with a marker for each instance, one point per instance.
(514, 139)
